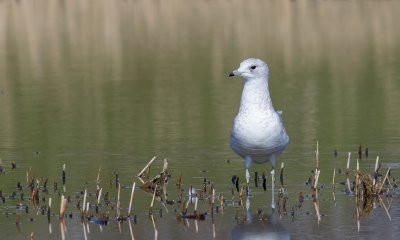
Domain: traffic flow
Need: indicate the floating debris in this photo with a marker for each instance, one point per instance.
(157, 188)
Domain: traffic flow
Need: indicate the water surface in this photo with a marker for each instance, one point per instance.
(112, 84)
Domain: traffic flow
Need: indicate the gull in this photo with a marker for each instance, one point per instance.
(258, 134)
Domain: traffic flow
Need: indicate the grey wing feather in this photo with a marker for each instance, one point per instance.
(279, 112)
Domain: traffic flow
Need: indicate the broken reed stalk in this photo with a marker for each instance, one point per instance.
(144, 169)
(19, 215)
(317, 210)
(119, 202)
(212, 202)
(184, 206)
(147, 174)
(165, 164)
(358, 218)
(383, 182)
(195, 207)
(84, 203)
(348, 183)
(240, 193)
(28, 175)
(314, 192)
(152, 201)
(63, 174)
(178, 180)
(130, 202)
(348, 164)
(317, 155)
(130, 229)
(119, 195)
(300, 198)
(376, 169)
(87, 209)
(197, 227)
(333, 186)
(63, 228)
(164, 189)
(98, 197)
(384, 206)
(221, 201)
(45, 183)
(154, 225)
(98, 175)
(48, 209)
(62, 206)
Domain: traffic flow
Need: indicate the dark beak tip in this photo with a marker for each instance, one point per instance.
(231, 74)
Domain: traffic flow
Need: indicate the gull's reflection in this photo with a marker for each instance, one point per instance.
(256, 228)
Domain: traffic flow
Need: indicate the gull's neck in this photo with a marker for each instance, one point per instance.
(256, 96)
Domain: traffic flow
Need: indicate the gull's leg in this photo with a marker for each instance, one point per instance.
(247, 204)
(247, 176)
(247, 162)
(273, 179)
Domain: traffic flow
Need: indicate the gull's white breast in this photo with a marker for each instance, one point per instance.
(258, 130)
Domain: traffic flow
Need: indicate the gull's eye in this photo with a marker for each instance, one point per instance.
(253, 66)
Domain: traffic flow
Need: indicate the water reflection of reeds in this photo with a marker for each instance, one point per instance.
(78, 48)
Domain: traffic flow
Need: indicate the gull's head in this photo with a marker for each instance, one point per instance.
(251, 68)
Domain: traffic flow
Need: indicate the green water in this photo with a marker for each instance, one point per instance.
(112, 84)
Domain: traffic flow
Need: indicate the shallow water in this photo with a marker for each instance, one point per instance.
(112, 84)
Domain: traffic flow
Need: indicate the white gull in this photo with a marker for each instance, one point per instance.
(258, 134)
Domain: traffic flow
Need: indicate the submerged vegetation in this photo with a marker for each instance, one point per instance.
(368, 191)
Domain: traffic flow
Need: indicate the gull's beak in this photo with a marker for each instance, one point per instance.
(233, 73)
